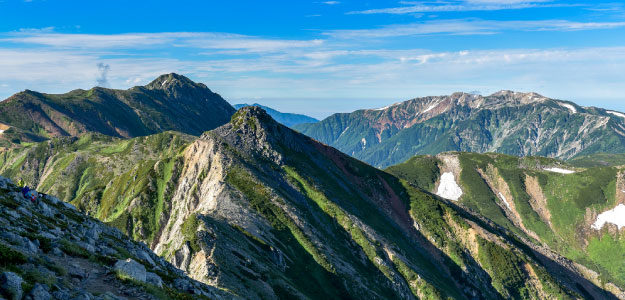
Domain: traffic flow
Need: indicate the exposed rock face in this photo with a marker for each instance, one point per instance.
(70, 256)
(506, 122)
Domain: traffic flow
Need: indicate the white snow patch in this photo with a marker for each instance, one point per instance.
(569, 106)
(504, 200)
(615, 216)
(344, 130)
(163, 84)
(559, 170)
(382, 108)
(448, 188)
(431, 107)
(618, 114)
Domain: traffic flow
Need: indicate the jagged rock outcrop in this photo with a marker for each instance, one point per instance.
(507, 122)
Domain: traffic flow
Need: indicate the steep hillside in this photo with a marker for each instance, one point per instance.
(265, 212)
(507, 122)
(170, 102)
(287, 119)
(577, 212)
(48, 250)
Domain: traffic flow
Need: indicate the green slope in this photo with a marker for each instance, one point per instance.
(556, 210)
(170, 102)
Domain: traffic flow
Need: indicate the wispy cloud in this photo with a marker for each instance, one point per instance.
(146, 40)
(409, 7)
(470, 27)
(331, 2)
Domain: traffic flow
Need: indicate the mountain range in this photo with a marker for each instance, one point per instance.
(287, 119)
(521, 124)
(170, 102)
(253, 209)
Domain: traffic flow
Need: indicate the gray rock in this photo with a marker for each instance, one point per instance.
(39, 292)
(154, 279)
(45, 209)
(86, 246)
(182, 257)
(111, 296)
(61, 295)
(30, 246)
(57, 252)
(11, 213)
(53, 200)
(83, 296)
(11, 285)
(69, 206)
(183, 285)
(22, 210)
(145, 256)
(12, 238)
(130, 268)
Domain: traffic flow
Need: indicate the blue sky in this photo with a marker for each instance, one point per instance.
(319, 57)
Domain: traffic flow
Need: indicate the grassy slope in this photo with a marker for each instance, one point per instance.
(568, 199)
(103, 175)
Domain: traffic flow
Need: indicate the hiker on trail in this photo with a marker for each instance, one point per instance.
(29, 194)
(20, 183)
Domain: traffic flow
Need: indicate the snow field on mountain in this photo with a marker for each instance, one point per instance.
(448, 188)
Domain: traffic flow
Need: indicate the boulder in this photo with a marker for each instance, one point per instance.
(39, 292)
(11, 285)
(154, 279)
(131, 269)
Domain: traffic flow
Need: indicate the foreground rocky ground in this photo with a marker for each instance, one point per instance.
(48, 250)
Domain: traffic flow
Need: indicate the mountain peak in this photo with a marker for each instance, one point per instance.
(518, 95)
(172, 80)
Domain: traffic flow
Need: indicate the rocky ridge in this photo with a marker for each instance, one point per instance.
(507, 122)
(49, 250)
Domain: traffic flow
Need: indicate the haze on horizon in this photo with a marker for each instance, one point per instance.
(320, 57)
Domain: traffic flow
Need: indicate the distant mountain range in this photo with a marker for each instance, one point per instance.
(287, 119)
(506, 122)
(170, 102)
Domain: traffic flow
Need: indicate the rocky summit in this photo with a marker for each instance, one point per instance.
(261, 211)
(515, 123)
(170, 102)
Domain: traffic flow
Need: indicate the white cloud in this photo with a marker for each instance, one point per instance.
(470, 27)
(331, 2)
(410, 7)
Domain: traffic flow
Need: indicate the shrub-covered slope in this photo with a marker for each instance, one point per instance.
(507, 122)
(170, 102)
(544, 200)
(265, 212)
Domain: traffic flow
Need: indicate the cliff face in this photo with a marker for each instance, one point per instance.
(521, 124)
(49, 250)
(265, 212)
